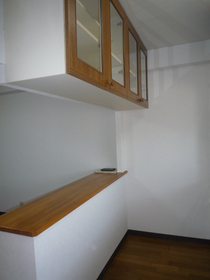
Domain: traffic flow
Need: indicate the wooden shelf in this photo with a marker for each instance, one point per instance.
(36, 216)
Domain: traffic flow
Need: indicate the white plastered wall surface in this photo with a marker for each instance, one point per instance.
(46, 143)
(167, 152)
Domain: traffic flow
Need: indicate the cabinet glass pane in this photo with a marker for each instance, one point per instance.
(143, 76)
(88, 16)
(133, 63)
(116, 24)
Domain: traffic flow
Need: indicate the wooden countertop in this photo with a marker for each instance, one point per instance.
(36, 216)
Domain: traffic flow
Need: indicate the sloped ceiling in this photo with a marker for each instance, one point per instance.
(162, 23)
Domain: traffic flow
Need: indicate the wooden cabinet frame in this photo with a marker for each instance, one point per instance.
(140, 46)
(117, 88)
(75, 66)
(82, 70)
(144, 101)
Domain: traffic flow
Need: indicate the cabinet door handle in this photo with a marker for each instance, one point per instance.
(107, 82)
(140, 100)
(111, 84)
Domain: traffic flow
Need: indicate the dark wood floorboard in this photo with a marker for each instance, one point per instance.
(146, 258)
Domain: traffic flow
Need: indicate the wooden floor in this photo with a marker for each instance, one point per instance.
(146, 258)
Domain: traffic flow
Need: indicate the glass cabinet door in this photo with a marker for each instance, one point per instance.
(143, 76)
(133, 62)
(104, 49)
(88, 26)
(117, 50)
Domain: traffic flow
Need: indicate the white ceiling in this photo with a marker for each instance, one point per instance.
(162, 23)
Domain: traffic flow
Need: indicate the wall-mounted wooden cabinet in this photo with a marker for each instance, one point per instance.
(103, 48)
(82, 50)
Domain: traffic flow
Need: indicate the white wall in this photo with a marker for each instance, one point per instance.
(181, 55)
(17, 259)
(46, 143)
(70, 249)
(167, 150)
